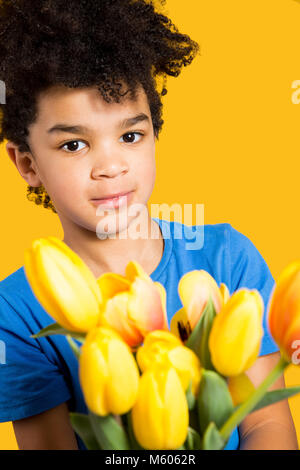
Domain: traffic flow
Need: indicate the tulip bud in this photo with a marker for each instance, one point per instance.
(108, 373)
(63, 284)
(236, 333)
(195, 288)
(160, 416)
(133, 305)
(240, 388)
(165, 348)
(284, 311)
(224, 292)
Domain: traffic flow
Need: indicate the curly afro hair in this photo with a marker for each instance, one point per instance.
(84, 43)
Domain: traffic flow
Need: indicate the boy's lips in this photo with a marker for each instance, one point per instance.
(113, 201)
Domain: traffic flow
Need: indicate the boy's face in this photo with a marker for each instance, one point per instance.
(99, 159)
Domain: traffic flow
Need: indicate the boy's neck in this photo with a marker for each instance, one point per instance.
(113, 255)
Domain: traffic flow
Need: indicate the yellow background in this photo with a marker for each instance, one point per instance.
(230, 139)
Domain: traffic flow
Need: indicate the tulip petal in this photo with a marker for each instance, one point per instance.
(38, 287)
(61, 287)
(160, 414)
(81, 265)
(284, 308)
(93, 375)
(111, 284)
(163, 296)
(162, 347)
(180, 325)
(116, 316)
(187, 366)
(240, 388)
(290, 341)
(176, 414)
(147, 414)
(124, 378)
(224, 292)
(194, 289)
(252, 357)
(161, 337)
(145, 306)
(134, 270)
(108, 373)
(155, 349)
(236, 333)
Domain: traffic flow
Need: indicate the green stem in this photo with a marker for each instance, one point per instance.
(74, 347)
(252, 401)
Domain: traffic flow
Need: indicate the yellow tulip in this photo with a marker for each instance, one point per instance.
(180, 325)
(224, 292)
(108, 373)
(160, 415)
(284, 311)
(63, 284)
(163, 347)
(195, 288)
(236, 333)
(240, 388)
(133, 304)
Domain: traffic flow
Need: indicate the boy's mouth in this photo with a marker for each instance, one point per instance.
(113, 201)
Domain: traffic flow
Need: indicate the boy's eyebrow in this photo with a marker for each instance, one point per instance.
(81, 129)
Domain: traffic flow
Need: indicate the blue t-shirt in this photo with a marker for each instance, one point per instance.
(39, 374)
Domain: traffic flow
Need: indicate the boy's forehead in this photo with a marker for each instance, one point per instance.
(60, 103)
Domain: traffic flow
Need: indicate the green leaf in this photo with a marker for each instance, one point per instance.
(190, 397)
(109, 433)
(214, 400)
(198, 340)
(276, 395)
(212, 439)
(73, 346)
(56, 329)
(82, 426)
(193, 419)
(193, 440)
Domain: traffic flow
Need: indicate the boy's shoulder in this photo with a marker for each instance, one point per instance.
(203, 237)
(16, 282)
(220, 248)
(222, 232)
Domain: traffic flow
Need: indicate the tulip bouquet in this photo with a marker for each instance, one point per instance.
(146, 387)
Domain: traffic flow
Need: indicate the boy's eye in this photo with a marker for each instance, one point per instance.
(130, 137)
(73, 146)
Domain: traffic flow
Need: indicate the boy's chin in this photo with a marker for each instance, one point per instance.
(114, 228)
(122, 227)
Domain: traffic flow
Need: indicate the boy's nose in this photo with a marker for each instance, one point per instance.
(111, 170)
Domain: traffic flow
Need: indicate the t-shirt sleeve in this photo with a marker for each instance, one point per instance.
(30, 382)
(249, 269)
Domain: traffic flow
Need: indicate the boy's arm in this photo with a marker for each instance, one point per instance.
(50, 430)
(271, 427)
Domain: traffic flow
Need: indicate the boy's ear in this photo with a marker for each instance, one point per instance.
(25, 164)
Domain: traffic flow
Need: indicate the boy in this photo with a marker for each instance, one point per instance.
(81, 117)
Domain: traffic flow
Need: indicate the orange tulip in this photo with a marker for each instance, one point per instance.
(284, 311)
(133, 304)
